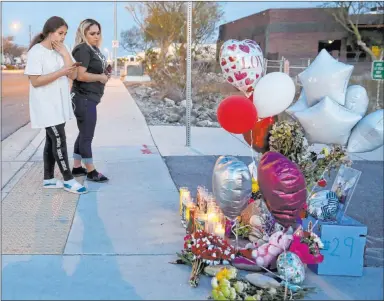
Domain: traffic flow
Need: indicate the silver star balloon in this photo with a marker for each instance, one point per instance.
(325, 77)
(327, 122)
(368, 134)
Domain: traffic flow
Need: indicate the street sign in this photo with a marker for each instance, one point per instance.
(377, 72)
(115, 44)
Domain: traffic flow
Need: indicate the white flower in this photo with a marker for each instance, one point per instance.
(208, 242)
(233, 256)
(226, 252)
(272, 291)
(214, 255)
(198, 246)
(189, 246)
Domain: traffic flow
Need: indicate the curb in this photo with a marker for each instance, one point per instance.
(33, 142)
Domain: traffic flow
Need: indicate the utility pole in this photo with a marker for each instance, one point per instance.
(115, 37)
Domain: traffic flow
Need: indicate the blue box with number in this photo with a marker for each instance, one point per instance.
(344, 246)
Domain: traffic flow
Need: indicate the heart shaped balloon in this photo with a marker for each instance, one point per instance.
(283, 186)
(242, 64)
(231, 185)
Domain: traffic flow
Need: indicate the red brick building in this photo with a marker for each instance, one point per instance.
(294, 33)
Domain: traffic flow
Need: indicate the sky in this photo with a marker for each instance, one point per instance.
(35, 14)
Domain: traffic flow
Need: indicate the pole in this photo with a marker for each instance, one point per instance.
(189, 75)
(30, 34)
(115, 48)
(378, 85)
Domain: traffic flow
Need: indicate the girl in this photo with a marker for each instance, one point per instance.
(49, 66)
(88, 88)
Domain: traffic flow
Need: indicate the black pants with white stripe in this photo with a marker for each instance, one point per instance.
(55, 150)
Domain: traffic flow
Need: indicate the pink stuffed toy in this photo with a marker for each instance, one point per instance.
(266, 255)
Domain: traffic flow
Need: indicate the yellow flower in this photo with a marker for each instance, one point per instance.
(325, 151)
(226, 274)
(255, 186)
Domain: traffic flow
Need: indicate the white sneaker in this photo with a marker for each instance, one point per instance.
(53, 184)
(74, 187)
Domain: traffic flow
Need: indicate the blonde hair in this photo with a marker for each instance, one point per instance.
(83, 29)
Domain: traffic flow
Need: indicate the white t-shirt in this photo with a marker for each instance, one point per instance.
(51, 104)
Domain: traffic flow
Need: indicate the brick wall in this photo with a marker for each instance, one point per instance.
(297, 45)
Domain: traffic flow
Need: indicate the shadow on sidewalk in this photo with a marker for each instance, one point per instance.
(67, 277)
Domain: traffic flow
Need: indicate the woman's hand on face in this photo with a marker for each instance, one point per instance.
(103, 78)
(60, 48)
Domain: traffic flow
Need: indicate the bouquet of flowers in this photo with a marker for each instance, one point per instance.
(307, 245)
(226, 286)
(202, 249)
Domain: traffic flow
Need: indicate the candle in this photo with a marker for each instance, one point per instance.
(220, 231)
(212, 220)
(201, 220)
(183, 192)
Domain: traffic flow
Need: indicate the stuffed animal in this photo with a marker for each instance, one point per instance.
(266, 255)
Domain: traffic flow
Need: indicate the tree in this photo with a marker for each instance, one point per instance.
(10, 49)
(133, 40)
(349, 14)
(164, 23)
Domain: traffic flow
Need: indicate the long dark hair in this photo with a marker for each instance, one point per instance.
(50, 26)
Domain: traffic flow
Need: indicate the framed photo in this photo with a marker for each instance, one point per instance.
(344, 187)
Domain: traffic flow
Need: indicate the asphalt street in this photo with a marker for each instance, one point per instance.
(14, 102)
(366, 204)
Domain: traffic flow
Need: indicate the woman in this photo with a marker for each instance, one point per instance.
(49, 66)
(88, 88)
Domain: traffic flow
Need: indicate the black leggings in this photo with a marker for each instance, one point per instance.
(55, 150)
(86, 115)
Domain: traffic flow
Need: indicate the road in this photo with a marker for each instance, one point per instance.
(14, 102)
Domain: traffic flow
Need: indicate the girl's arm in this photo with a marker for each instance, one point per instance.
(43, 80)
(68, 61)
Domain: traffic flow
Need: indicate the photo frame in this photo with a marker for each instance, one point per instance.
(344, 187)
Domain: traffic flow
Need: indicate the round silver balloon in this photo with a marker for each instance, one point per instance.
(368, 134)
(325, 77)
(357, 100)
(231, 185)
(299, 105)
(327, 122)
(323, 205)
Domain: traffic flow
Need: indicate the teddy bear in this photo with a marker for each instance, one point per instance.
(266, 255)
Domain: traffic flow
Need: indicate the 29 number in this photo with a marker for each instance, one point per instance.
(348, 242)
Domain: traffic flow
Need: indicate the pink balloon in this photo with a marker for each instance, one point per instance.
(283, 186)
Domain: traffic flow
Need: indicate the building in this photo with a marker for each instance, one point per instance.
(296, 34)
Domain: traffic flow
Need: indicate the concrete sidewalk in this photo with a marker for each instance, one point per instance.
(115, 242)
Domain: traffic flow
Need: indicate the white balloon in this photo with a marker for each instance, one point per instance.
(368, 134)
(357, 100)
(325, 77)
(273, 94)
(299, 105)
(327, 122)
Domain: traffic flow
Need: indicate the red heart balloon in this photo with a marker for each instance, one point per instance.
(258, 137)
(236, 114)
